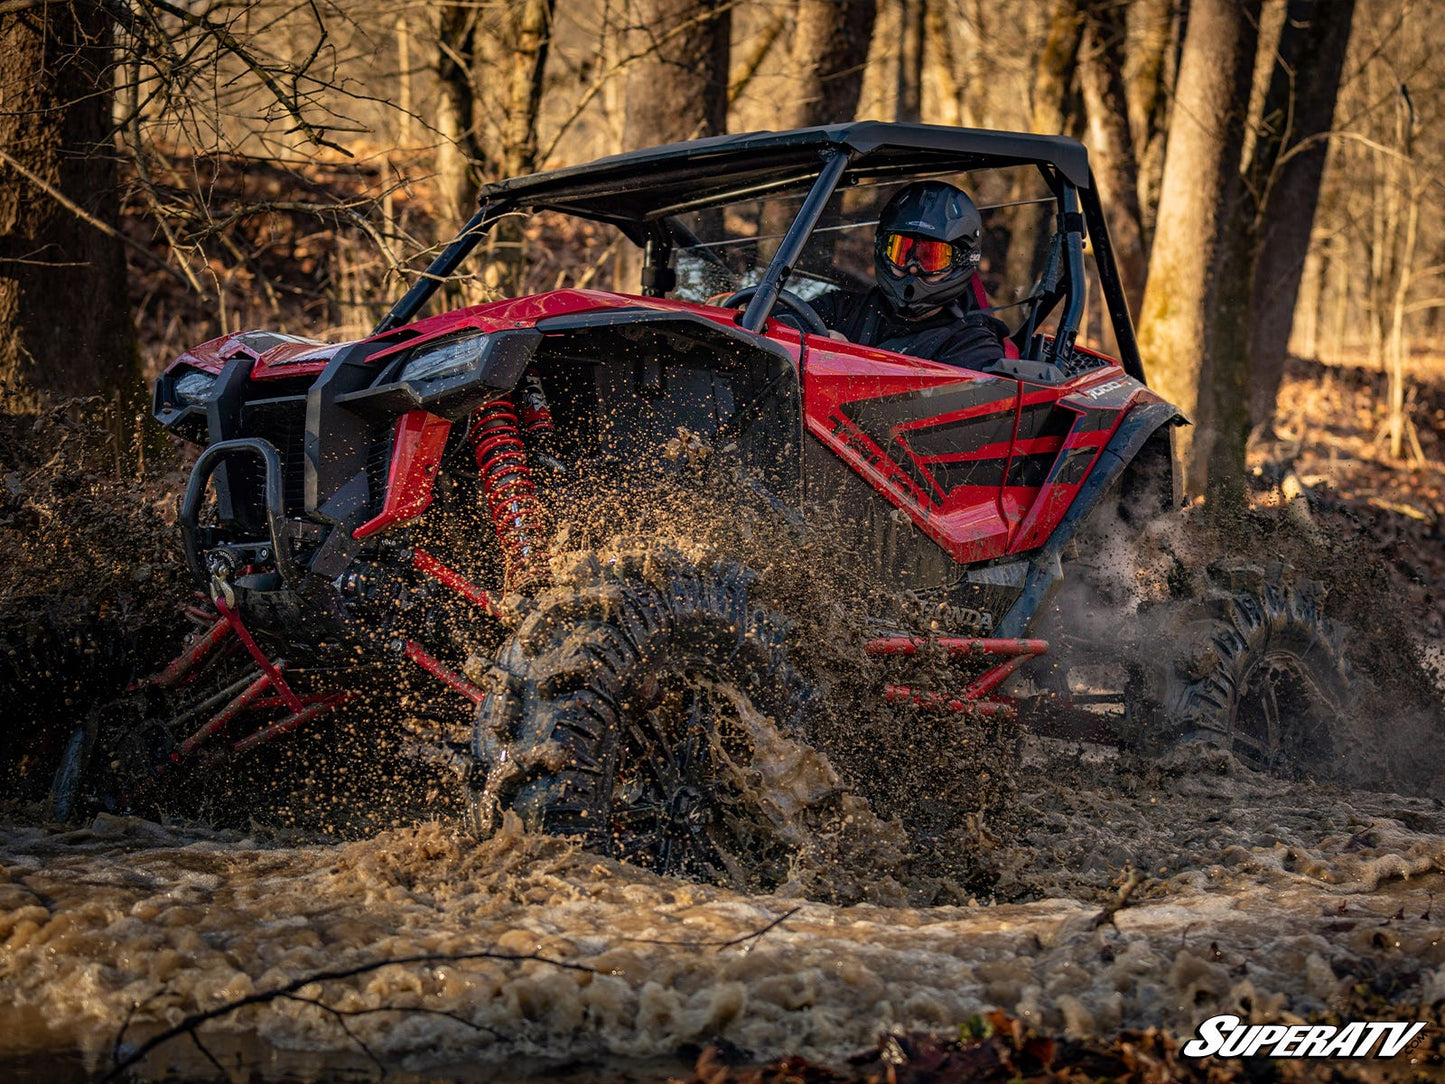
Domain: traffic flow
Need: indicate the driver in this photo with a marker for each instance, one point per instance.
(925, 257)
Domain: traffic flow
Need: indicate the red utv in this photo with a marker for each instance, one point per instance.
(637, 696)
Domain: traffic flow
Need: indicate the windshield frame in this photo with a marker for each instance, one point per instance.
(839, 164)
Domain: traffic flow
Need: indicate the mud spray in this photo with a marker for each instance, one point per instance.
(1080, 890)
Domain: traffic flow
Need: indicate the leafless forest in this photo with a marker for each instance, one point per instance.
(1269, 169)
(175, 170)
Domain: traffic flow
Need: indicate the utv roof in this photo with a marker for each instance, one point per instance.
(661, 181)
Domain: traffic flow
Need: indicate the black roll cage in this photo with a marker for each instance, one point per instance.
(616, 190)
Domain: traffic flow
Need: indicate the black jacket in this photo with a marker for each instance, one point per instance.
(954, 336)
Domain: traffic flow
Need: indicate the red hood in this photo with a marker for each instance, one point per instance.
(283, 356)
(289, 354)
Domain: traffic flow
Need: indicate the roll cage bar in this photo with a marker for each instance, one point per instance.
(639, 193)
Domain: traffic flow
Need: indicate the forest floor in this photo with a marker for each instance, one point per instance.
(1392, 511)
(1275, 901)
(1329, 429)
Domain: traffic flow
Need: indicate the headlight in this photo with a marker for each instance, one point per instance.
(194, 388)
(448, 356)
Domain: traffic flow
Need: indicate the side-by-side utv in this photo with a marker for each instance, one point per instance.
(351, 496)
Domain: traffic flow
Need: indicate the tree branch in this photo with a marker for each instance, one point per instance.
(290, 992)
(236, 48)
(88, 218)
(195, 1020)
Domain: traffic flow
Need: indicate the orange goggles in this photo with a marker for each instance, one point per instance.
(931, 257)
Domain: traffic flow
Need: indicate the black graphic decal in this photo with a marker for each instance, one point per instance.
(952, 438)
(1030, 470)
(1045, 420)
(912, 449)
(877, 417)
(973, 472)
(1075, 465)
(1097, 421)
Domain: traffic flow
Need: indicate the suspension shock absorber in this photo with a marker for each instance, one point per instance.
(511, 494)
(534, 412)
(538, 429)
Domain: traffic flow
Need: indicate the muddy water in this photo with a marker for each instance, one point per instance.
(1267, 899)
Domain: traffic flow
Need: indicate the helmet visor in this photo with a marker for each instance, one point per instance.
(931, 257)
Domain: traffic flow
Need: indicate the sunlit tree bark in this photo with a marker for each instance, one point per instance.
(459, 148)
(1284, 179)
(1183, 308)
(1055, 109)
(1156, 34)
(679, 88)
(1101, 81)
(829, 49)
(523, 39)
(65, 326)
(827, 52)
(913, 15)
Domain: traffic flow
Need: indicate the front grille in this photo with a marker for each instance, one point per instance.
(378, 465)
(283, 423)
(281, 420)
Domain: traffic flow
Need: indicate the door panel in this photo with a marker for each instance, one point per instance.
(936, 439)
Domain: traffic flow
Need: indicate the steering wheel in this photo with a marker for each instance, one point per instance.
(806, 314)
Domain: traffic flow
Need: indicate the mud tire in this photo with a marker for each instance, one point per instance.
(65, 800)
(108, 763)
(1258, 670)
(647, 706)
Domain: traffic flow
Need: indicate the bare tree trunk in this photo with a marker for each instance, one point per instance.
(1284, 175)
(1409, 189)
(1396, 424)
(404, 102)
(524, 37)
(746, 68)
(1311, 305)
(455, 117)
(1055, 107)
(1183, 311)
(1101, 79)
(527, 40)
(970, 23)
(1159, 32)
(1343, 279)
(829, 50)
(614, 91)
(942, 71)
(679, 90)
(1055, 110)
(65, 326)
(910, 61)
(1384, 220)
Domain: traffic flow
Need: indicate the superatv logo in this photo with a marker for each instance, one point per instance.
(1224, 1037)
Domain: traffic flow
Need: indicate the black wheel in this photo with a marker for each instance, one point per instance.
(1261, 672)
(110, 762)
(67, 788)
(648, 707)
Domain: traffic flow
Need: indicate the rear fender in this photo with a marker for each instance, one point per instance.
(1137, 463)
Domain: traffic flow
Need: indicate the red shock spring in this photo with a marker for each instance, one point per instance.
(532, 408)
(511, 494)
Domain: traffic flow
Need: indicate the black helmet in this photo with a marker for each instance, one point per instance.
(926, 250)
